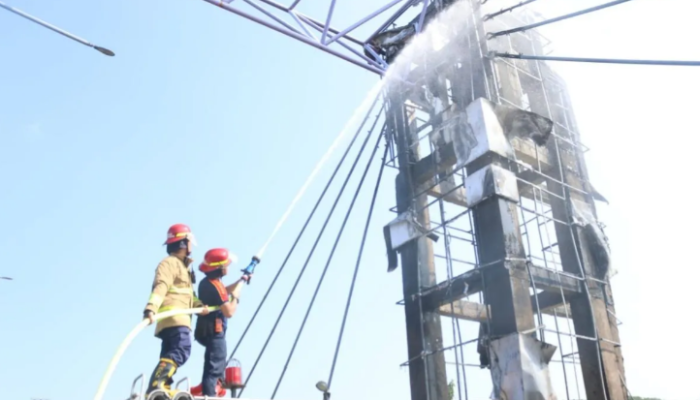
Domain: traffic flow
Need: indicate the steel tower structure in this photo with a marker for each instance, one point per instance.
(496, 222)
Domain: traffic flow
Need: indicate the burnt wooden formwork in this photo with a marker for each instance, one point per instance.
(505, 277)
(424, 333)
(514, 287)
(566, 178)
(601, 359)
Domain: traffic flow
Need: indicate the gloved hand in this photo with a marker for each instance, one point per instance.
(150, 316)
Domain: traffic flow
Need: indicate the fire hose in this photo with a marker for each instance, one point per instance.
(256, 258)
(144, 323)
(130, 337)
(246, 271)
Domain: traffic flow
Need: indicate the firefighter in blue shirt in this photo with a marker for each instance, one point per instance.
(210, 330)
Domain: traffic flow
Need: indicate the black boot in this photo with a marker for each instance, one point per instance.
(162, 376)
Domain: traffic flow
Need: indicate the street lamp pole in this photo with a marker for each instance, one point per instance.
(57, 30)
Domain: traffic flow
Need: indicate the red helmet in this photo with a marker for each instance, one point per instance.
(179, 232)
(215, 259)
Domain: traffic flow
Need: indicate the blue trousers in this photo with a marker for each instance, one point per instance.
(214, 364)
(176, 344)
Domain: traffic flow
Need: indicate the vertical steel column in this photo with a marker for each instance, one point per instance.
(423, 330)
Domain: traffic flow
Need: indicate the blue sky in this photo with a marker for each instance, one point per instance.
(210, 120)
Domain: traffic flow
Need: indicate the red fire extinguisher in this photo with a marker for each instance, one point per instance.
(233, 377)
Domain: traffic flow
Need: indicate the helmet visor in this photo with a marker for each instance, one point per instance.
(191, 238)
(233, 258)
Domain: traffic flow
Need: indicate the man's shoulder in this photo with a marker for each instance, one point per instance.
(204, 284)
(169, 262)
(209, 287)
(208, 284)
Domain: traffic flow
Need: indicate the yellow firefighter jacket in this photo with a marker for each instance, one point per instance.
(172, 289)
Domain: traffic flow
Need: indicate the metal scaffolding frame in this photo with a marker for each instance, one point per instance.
(455, 224)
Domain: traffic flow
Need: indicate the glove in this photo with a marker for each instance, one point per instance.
(148, 314)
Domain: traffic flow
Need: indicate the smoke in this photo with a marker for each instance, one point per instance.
(424, 47)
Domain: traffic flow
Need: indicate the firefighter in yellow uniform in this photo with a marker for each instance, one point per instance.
(173, 289)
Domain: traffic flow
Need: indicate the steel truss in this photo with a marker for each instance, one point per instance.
(319, 31)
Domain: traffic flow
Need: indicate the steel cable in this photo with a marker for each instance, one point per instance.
(325, 268)
(357, 267)
(306, 263)
(303, 229)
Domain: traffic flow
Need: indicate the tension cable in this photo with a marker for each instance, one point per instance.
(556, 19)
(328, 262)
(303, 269)
(598, 60)
(357, 267)
(303, 229)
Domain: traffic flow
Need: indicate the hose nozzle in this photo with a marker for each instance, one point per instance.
(251, 267)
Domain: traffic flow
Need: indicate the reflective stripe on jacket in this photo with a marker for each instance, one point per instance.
(172, 289)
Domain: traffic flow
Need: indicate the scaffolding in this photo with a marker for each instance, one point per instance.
(567, 285)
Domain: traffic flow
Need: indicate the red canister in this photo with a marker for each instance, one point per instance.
(233, 377)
